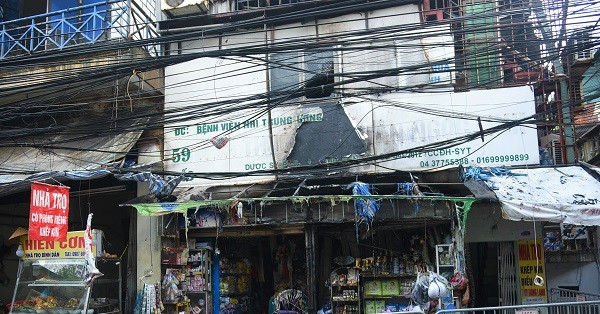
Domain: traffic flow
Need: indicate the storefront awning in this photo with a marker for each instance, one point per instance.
(78, 160)
(557, 194)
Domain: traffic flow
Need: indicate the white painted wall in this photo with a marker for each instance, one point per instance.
(381, 122)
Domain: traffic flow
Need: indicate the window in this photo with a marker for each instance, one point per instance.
(307, 74)
(254, 4)
(568, 237)
(498, 44)
(481, 54)
(10, 10)
(575, 92)
(437, 10)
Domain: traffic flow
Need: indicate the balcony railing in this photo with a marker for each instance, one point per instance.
(83, 25)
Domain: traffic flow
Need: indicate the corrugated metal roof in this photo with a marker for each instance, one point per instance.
(582, 130)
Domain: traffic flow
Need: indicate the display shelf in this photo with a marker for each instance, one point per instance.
(200, 249)
(379, 297)
(174, 264)
(57, 284)
(194, 265)
(388, 276)
(346, 285)
(345, 300)
(45, 284)
(345, 289)
(443, 256)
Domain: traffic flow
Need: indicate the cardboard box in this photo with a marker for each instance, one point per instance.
(370, 307)
(390, 287)
(173, 256)
(380, 306)
(373, 287)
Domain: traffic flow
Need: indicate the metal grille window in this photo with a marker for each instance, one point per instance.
(575, 91)
(507, 281)
(481, 53)
(498, 43)
(437, 10)
(519, 45)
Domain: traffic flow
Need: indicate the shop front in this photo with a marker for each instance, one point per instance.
(535, 241)
(54, 277)
(352, 251)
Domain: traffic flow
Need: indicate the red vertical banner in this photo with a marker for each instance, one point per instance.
(48, 212)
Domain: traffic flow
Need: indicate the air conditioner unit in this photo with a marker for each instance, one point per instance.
(584, 55)
(551, 142)
(184, 7)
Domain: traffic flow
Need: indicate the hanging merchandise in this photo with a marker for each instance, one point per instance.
(436, 289)
(419, 292)
(429, 287)
(90, 257)
(458, 282)
(148, 300)
(440, 283)
(365, 208)
(170, 284)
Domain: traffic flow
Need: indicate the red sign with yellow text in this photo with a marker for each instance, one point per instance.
(48, 212)
(72, 247)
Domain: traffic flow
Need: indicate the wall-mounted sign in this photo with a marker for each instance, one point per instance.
(48, 212)
(71, 247)
(330, 132)
(532, 278)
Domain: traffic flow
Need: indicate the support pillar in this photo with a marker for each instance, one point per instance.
(311, 270)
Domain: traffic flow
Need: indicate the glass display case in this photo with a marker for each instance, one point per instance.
(51, 286)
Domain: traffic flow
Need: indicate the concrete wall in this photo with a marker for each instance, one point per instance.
(148, 242)
(584, 275)
(148, 250)
(485, 224)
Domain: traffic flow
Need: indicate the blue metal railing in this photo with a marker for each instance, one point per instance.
(87, 24)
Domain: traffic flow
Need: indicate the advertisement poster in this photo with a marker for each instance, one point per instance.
(532, 265)
(48, 212)
(72, 247)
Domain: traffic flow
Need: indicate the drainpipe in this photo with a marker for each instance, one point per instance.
(267, 41)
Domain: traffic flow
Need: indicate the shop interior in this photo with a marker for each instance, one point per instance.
(381, 264)
(254, 271)
(100, 197)
(262, 273)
